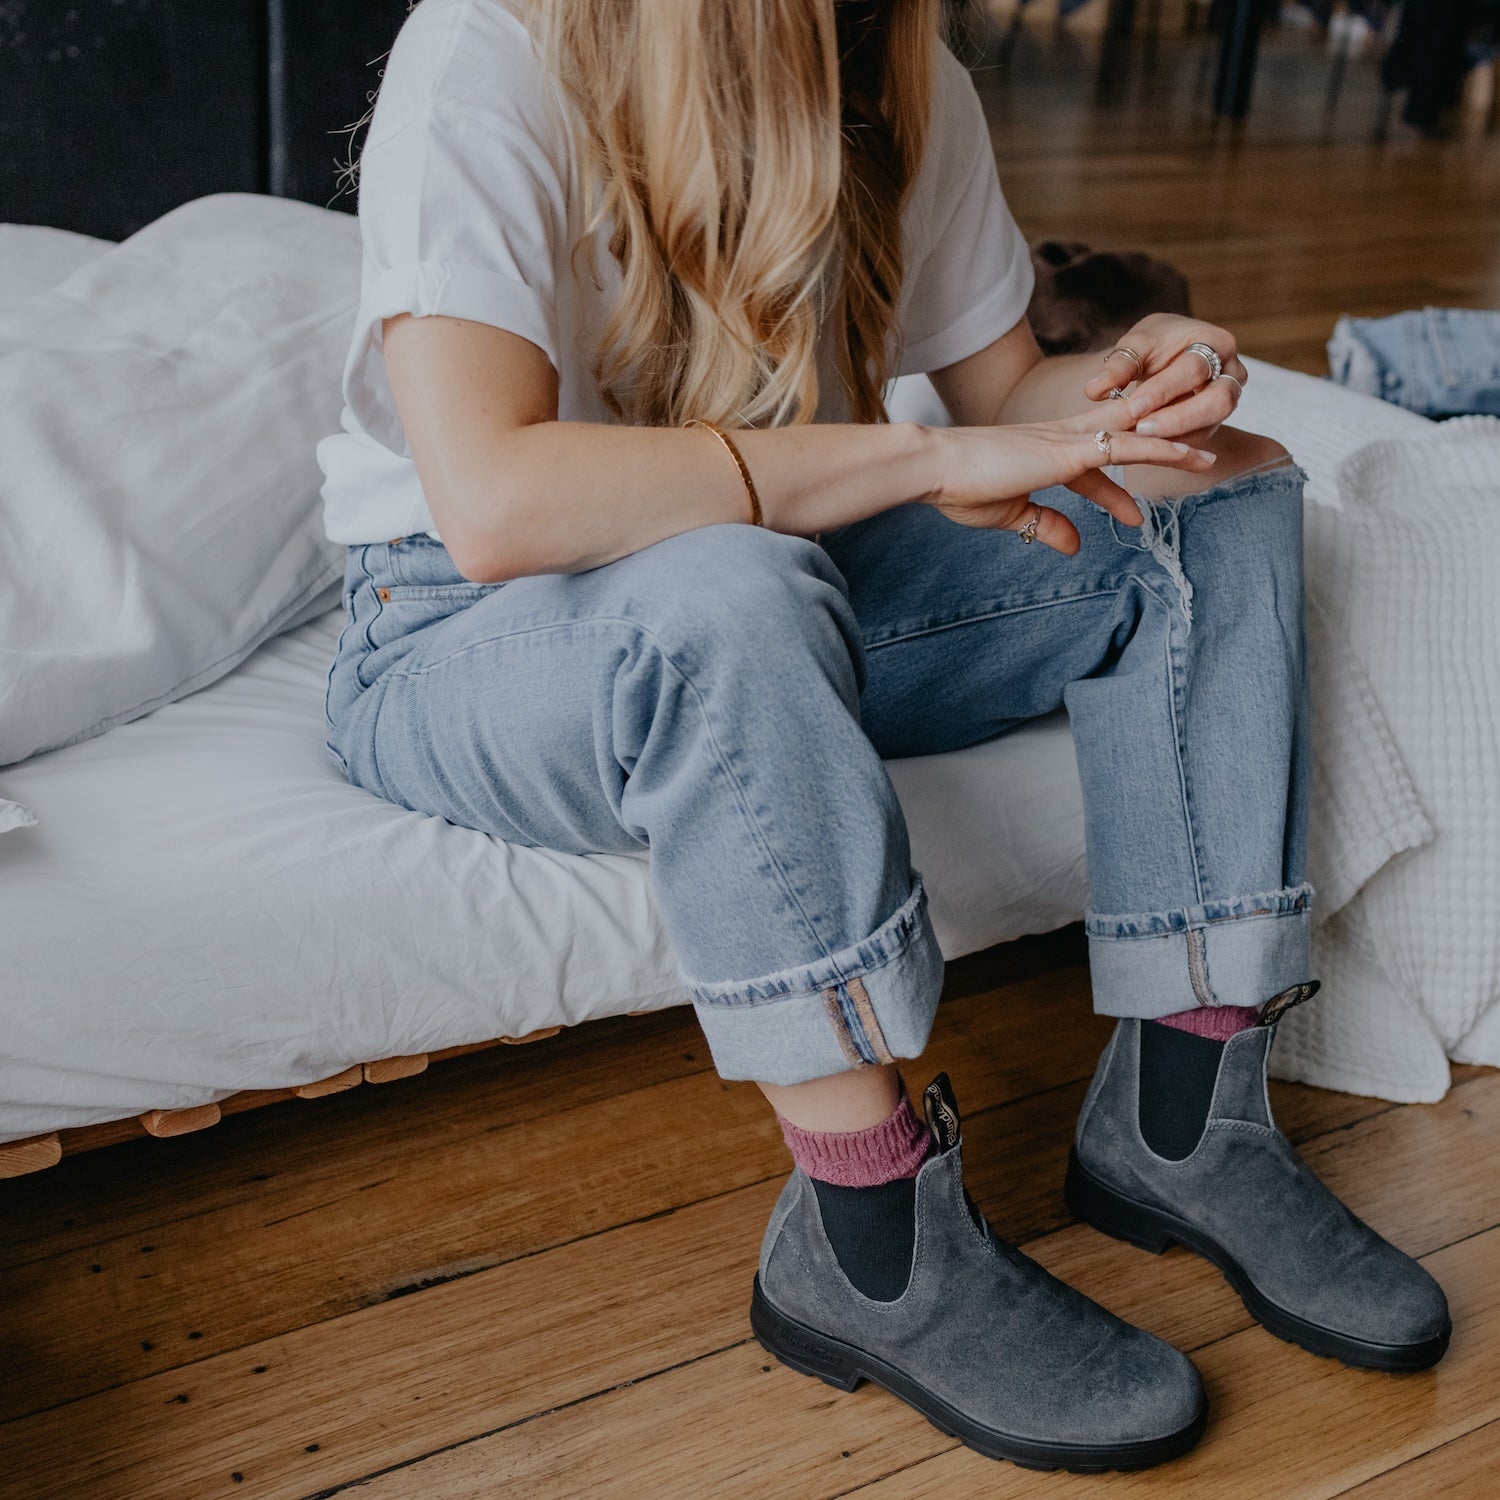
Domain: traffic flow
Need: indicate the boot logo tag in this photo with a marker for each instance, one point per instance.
(1278, 1005)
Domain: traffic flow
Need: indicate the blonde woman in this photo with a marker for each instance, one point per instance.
(636, 563)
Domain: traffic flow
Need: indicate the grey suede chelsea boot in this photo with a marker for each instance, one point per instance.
(983, 1342)
(1307, 1268)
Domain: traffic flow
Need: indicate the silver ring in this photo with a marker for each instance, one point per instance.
(1209, 355)
(1116, 395)
(1104, 441)
(1239, 385)
(1027, 533)
(1128, 353)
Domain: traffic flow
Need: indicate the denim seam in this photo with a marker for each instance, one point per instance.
(869, 1021)
(833, 1008)
(370, 646)
(862, 1043)
(724, 764)
(1446, 373)
(1197, 962)
(915, 633)
(421, 593)
(338, 652)
(1175, 687)
(1182, 932)
(1301, 901)
(383, 683)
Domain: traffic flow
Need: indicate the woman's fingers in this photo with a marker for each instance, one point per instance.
(1184, 375)
(990, 473)
(1107, 495)
(1137, 448)
(1053, 529)
(1130, 448)
(1119, 370)
(1203, 411)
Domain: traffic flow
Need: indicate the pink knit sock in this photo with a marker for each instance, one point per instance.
(1217, 1022)
(895, 1148)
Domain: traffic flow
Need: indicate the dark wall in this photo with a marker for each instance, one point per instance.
(114, 111)
(332, 52)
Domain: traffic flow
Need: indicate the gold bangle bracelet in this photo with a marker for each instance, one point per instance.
(756, 518)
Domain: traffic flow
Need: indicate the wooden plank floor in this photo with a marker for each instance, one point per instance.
(526, 1272)
(1281, 223)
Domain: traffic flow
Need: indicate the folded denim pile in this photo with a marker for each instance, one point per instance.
(1438, 361)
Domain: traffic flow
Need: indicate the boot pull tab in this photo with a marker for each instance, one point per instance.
(1278, 1005)
(941, 1109)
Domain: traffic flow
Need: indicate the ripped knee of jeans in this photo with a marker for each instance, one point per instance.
(1161, 536)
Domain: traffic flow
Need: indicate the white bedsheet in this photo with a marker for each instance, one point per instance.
(204, 905)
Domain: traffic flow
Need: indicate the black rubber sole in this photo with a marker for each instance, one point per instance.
(841, 1365)
(1155, 1230)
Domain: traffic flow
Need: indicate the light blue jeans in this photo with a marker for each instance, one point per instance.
(1439, 361)
(724, 699)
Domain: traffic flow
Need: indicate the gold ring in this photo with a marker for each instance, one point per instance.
(1128, 353)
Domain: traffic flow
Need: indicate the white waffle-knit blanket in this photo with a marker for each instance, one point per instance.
(1403, 584)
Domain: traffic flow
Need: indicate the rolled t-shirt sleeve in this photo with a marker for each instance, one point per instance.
(971, 278)
(462, 211)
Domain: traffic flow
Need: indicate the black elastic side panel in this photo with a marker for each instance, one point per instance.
(873, 1232)
(326, 58)
(114, 111)
(1178, 1072)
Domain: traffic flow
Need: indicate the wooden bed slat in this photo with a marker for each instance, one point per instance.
(531, 1036)
(336, 1083)
(389, 1069)
(169, 1122)
(17, 1158)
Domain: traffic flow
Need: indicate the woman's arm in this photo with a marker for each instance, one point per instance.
(515, 491)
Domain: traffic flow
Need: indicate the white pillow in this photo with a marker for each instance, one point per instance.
(159, 507)
(35, 257)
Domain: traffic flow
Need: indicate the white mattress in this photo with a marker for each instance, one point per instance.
(205, 905)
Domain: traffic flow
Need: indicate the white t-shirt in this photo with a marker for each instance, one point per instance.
(470, 204)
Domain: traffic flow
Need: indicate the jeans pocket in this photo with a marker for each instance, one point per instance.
(391, 616)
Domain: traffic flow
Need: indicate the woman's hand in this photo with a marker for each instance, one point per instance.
(1174, 395)
(987, 474)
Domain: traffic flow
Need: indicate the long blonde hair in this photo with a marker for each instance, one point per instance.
(751, 159)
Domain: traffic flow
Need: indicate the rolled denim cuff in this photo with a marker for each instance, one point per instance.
(1237, 952)
(869, 1003)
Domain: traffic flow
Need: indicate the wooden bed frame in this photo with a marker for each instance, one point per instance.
(17, 1158)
